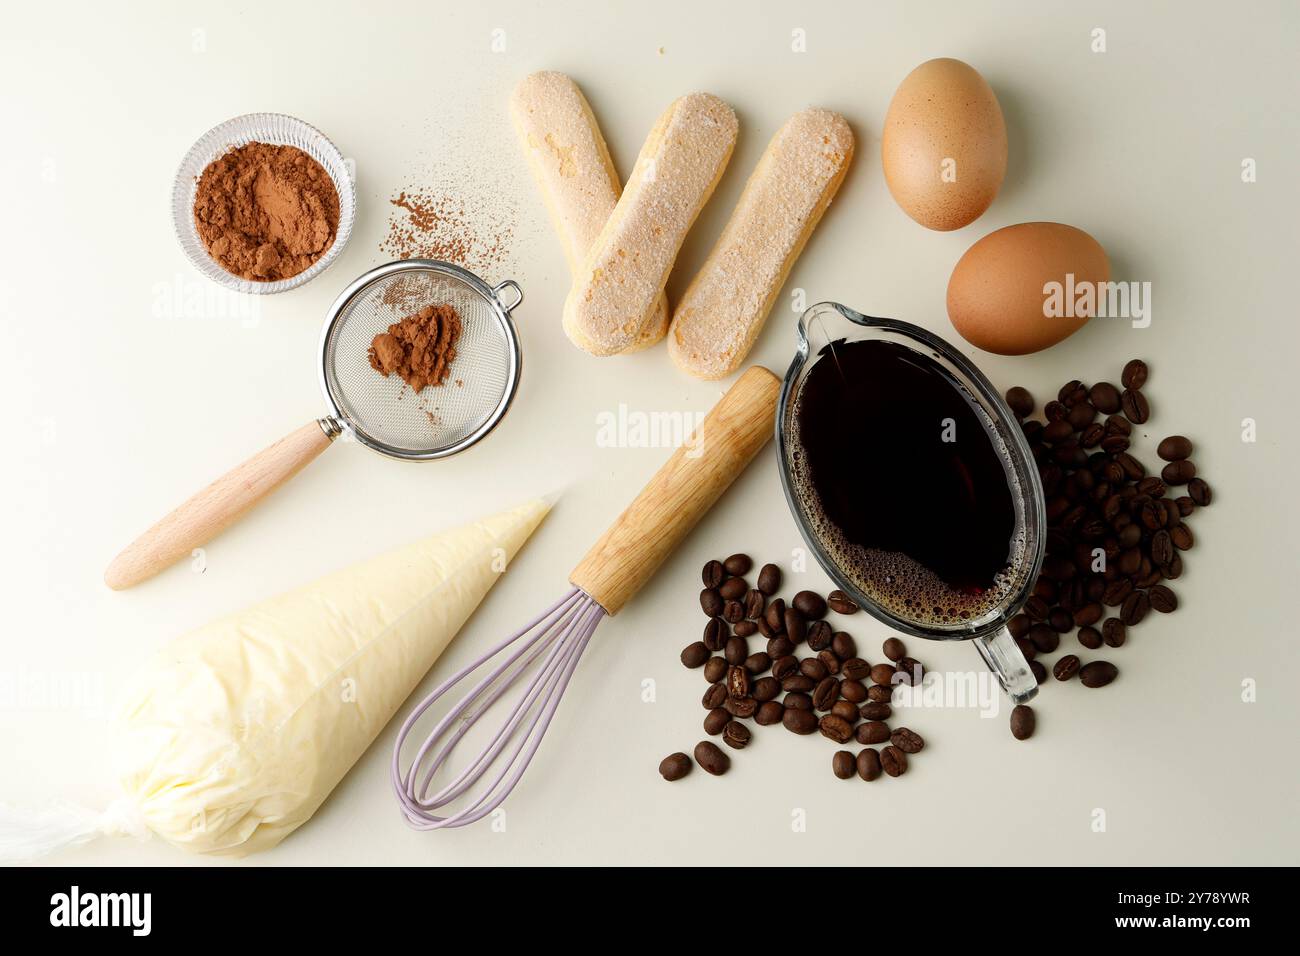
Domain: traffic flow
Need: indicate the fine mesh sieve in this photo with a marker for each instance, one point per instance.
(383, 413)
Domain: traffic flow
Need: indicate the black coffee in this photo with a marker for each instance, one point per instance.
(904, 483)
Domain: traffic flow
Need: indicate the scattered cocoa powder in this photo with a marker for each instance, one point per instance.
(428, 225)
(420, 348)
(266, 212)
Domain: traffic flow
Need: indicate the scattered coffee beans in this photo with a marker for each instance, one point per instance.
(1022, 722)
(841, 603)
(843, 765)
(711, 758)
(675, 766)
(869, 765)
(1098, 673)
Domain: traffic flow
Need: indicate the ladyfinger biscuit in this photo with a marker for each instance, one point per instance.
(625, 271)
(571, 163)
(717, 320)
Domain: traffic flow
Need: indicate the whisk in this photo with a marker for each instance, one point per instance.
(543, 655)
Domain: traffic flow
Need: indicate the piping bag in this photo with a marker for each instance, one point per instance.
(235, 733)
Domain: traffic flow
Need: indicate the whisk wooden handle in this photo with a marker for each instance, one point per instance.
(681, 492)
(209, 512)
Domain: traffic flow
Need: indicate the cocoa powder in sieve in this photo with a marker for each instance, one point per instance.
(266, 212)
(420, 348)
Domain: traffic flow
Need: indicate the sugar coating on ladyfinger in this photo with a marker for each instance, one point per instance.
(725, 306)
(627, 266)
(573, 169)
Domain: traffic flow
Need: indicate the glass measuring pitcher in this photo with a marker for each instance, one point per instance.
(821, 330)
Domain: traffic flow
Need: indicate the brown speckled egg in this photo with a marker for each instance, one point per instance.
(944, 145)
(1008, 294)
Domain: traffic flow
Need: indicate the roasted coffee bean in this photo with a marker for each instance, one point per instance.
(868, 765)
(715, 696)
(755, 604)
(799, 721)
(1134, 403)
(735, 735)
(812, 668)
(1066, 667)
(1045, 639)
(825, 693)
(798, 683)
(883, 673)
(1152, 486)
(775, 616)
(841, 603)
(1018, 626)
(784, 666)
(853, 690)
(711, 602)
(715, 720)
(694, 655)
(675, 766)
(1058, 431)
(1055, 411)
(742, 707)
(1178, 472)
(835, 728)
(819, 635)
(715, 669)
(1087, 615)
(1105, 397)
(875, 710)
(779, 647)
(882, 693)
(909, 671)
(757, 663)
(738, 564)
(1134, 608)
(873, 732)
(1081, 415)
(765, 689)
(1091, 437)
(1181, 536)
(1072, 392)
(1090, 637)
(893, 648)
(1022, 722)
(855, 668)
(843, 645)
(1037, 608)
(733, 589)
(1162, 599)
(1134, 374)
(1199, 492)
(1185, 504)
(843, 765)
(1174, 448)
(1134, 470)
(735, 650)
(1162, 548)
(713, 575)
(1020, 401)
(733, 612)
(1113, 445)
(769, 712)
(711, 758)
(765, 629)
(1098, 673)
(796, 625)
(1118, 425)
(846, 709)
(1038, 670)
(745, 628)
(909, 741)
(811, 604)
(893, 760)
(830, 660)
(769, 579)
(1117, 592)
(1113, 632)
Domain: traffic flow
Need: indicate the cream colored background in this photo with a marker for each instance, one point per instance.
(113, 413)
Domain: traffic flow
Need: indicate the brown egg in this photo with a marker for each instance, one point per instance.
(944, 145)
(1026, 287)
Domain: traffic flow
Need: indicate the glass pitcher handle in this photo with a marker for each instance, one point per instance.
(1002, 655)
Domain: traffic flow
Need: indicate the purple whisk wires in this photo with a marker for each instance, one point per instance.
(556, 638)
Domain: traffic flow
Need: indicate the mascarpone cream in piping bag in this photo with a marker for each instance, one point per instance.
(235, 733)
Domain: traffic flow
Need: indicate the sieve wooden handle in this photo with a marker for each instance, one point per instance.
(216, 507)
(679, 494)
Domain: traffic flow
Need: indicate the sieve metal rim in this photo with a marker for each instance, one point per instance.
(339, 421)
